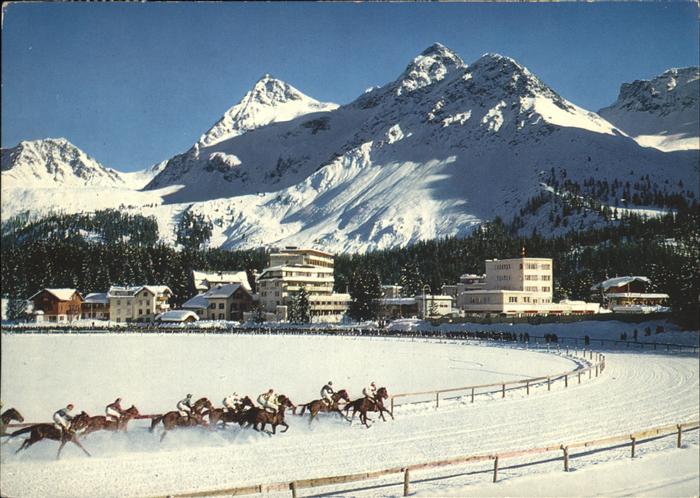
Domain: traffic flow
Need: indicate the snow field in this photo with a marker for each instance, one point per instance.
(636, 391)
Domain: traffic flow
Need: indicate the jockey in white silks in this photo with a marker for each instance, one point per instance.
(327, 393)
(62, 418)
(268, 400)
(184, 406)
(113, 411)
(231, 401)
(370, 392)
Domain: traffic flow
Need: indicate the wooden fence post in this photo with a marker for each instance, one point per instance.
(392, 406)
(527, 386)
(579, 377)
(293, 487)
(566, 457)
(590, 372)
(472, 395)
(596, 370)
(437, 401)
(678, 442)
(495, 469)
(406, 482)
(567, 350)
(634, 442)
(549, 384)
(566, 380)
(503, 391)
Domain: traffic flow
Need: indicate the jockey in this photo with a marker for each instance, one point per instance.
(114, 411)
(327, 393)
(268, 400)
(184, 406)
(370, 392)
(231, 401)
(62, 418)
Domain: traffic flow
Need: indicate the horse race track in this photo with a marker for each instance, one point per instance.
(42, 373)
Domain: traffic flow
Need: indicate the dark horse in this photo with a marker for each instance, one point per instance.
(320, 405)
(225, 416)
(364, 405)
(201, 404)
(8, 416)
(101, 422)
(37, 432)
(255, 416)
(173, 419)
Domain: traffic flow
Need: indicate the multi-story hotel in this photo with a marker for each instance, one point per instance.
(519, 286)
(294, 269)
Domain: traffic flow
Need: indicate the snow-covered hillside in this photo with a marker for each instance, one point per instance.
(663, 112)
(433, 153)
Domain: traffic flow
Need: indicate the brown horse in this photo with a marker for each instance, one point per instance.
(101, 422)
(201, 404)
(320, 405)
(224, 416)
(364, 405)
(38, 432)
(8, 416)
(256, 416)
(173, 419)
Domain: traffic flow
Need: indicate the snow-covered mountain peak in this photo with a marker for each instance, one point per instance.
(269, 101)
(661, 112)
(434, 64)
(53, 162)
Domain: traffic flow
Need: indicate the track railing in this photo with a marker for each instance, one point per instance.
(596, 365)
(565, 448)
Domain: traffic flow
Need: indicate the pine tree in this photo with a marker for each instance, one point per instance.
(365, 291)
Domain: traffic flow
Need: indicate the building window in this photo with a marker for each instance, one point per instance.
(513, 299)
(128, 303)
(545, 289)
(546, 277)
(119, 302)
(221, 316)
(212, 306)
(140, 312)
(221, 306)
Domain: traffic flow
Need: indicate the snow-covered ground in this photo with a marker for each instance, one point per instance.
(41, 373)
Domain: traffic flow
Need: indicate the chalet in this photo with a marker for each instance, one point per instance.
(221, 302)
(96, 306)
(629, 294)
(57, 305)
(203, 280)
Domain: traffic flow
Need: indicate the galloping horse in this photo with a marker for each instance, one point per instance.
(256, 416)
(8, 416)
(222, 415)
(201, 404)
(364, 405)
(173, 419)
(38, 432)
(101, 422)
(320, 405)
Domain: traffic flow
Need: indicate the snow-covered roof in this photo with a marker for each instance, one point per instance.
(60, 294)
(398, 301)
(639, 295)
(177, 316)
(618, 281)
(223, 291)
(97, 298)
(219, 277)
(198, 302)
(118, 291)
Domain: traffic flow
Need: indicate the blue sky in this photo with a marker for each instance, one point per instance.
(133, 84)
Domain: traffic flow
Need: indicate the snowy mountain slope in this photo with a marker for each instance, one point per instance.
(442, 148)
(270, 101)
(138, 179)
(54, 162)
(433, 153)
(663, 112)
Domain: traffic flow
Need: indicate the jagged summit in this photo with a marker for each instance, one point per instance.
(661, 112)
(269, 101)
(53, 162)
(434, 64)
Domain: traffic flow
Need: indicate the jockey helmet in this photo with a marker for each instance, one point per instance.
(330, 382)
(69, 406)
(269, 390)
(118, 400)
(372, 384)
(189, 396)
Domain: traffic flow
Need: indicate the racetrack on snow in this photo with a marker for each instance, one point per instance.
(42, 373)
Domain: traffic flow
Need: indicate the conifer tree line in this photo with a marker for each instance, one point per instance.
(117, 249)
